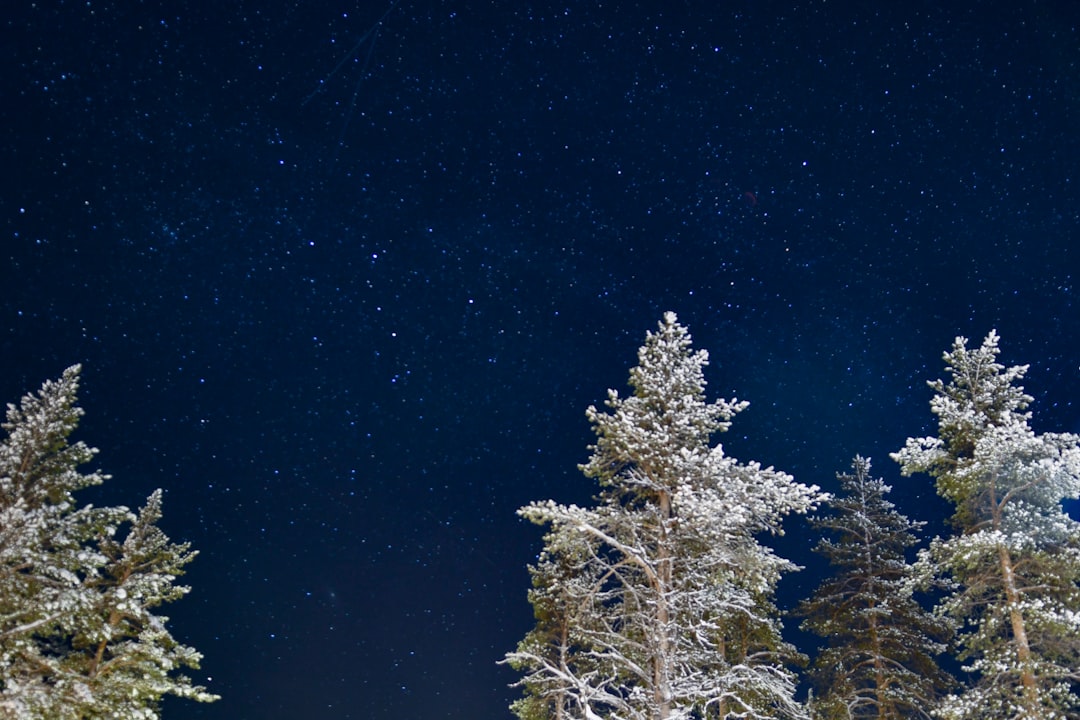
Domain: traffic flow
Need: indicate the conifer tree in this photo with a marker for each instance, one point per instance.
(1014, 560)
(879, 661)
(657, 603)
(77, 635)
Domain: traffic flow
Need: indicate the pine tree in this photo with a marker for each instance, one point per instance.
(1014, 562)
(657, 603)
(879, 661)
(77, 638)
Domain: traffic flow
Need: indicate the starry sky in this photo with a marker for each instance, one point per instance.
(344, 276)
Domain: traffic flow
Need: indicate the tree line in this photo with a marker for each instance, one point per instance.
(657, 602)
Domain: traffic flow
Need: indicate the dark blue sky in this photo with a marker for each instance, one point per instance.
(350, 332)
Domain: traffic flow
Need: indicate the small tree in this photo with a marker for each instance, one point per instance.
(879, 661)
(1014, 562)
(77, 635)
(656, 603)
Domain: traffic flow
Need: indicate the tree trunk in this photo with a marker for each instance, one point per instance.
(1020, 639)
(879, 667)
(661, 689)
(1016, 617)
(114, 619)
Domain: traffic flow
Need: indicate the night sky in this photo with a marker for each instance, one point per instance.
(344, 276)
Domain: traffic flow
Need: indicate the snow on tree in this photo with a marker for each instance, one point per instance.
(77, 635)
(1014, 563)
(656, 604)
(879, 660)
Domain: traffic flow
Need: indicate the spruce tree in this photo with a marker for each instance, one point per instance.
(879, 659)
(78, 638)
(1014, 561)
(657, 602)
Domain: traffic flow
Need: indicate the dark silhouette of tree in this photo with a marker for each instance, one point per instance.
(879, 658)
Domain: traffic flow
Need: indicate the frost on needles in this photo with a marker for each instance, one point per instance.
(657, 603)
(1013, 564)
(78, 585)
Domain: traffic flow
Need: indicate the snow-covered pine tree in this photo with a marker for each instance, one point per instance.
(879, 660)
(1014, 562)
(656, 604)
(77, 635)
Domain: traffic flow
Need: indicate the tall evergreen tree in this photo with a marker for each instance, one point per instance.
(657, 603)
(1014, 562)
(879, 661)
(77, 635)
